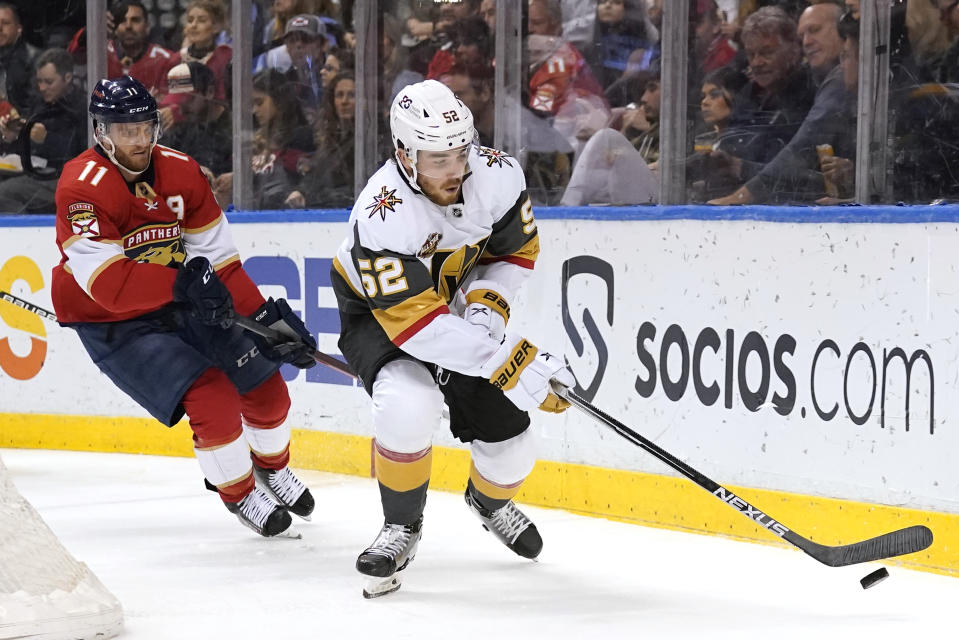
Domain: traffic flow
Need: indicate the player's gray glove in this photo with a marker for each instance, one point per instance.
(277, 315)
(198, 288)
(488, 309)
(524, 373)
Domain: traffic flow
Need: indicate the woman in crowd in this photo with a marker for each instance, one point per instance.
(282, 142)
(704, 173)
(203, 21)
(328, 183)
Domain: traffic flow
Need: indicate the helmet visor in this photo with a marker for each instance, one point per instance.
(443, 165)
(132, 133)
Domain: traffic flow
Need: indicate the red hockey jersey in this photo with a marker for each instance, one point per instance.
(120, 243)
(563, 75)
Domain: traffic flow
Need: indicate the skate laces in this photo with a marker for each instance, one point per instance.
(509, 521)
(285, 485)
(257, 507)
(392, 540)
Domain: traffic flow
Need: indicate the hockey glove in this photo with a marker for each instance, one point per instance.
(524, 375)
(277, 315)
(198, 288)
(489, 310)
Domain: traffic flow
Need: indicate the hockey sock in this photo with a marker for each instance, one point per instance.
(489, 494)
(403, 479)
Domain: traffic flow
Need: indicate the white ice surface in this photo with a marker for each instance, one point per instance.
(184, 568)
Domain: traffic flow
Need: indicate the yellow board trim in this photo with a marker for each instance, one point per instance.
(629, 496)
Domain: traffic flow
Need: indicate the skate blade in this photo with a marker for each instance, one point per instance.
(307, 518)
(376, 587)
(290, 532)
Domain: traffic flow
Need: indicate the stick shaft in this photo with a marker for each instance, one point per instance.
(894, 543)
(29, 306)
(272, 334)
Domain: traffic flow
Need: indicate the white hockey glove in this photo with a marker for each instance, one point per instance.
(524, 372)
(488, 309)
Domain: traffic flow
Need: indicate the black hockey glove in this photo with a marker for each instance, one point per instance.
(198, 288)
(277, 315)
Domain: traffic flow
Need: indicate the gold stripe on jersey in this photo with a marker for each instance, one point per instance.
(205, 227)
(402, 471)
(403, 320)
(342, 272)
(96, 273)
(490, 489)
(220, 265)
(512, 235)
(491, 299)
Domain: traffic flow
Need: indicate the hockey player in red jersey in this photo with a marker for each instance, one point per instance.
(150, 280)
(440, 240)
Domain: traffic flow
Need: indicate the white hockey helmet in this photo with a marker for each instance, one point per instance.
(426, 116)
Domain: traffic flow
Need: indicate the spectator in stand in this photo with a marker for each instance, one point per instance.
(328, 182)
(840, 172)
(487, 12)
(206, 131)
(16, 64)
(711, 49)
(58, 133)
(716, 109)
(768, 111)
(338, 60)
(275, 29)
(624, 38)
(300, 58)
(281, 141)
(616, 164)
(545, 154)
(785, 178)
(204, 19)
(558, 72)
(470, 45)
(131, 53)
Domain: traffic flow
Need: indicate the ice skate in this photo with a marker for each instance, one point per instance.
(259, 512)
(390, 553)
(286, 489)
(510, 526)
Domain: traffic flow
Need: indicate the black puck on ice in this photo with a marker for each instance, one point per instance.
(874, 578)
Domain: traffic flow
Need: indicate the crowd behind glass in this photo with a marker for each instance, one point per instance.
(771, 95)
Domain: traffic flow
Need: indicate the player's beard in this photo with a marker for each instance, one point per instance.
(136, 159)
(439, 194)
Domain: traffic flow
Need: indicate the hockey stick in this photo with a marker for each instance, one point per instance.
(272, 334)
(29, 306)
(242, 321)
(888, 545)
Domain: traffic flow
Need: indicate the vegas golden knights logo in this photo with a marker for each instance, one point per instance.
(450, 268)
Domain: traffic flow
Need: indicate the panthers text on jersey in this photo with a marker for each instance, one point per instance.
(409, 262)
(120, 242)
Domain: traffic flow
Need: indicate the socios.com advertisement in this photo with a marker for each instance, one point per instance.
(814, 358)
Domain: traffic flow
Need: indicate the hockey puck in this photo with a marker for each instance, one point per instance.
(874, 578)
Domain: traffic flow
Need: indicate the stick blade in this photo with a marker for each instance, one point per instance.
(888, 545)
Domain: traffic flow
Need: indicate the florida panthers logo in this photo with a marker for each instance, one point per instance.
(494, 156)
(382, 202)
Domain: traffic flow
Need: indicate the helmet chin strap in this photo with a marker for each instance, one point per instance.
(103, 139)
(412, 178)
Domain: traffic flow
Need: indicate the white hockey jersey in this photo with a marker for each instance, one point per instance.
(410, 262)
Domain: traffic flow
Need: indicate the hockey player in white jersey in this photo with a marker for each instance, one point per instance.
(440, 240)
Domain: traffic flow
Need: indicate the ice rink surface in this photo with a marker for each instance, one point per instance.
(184, 568)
